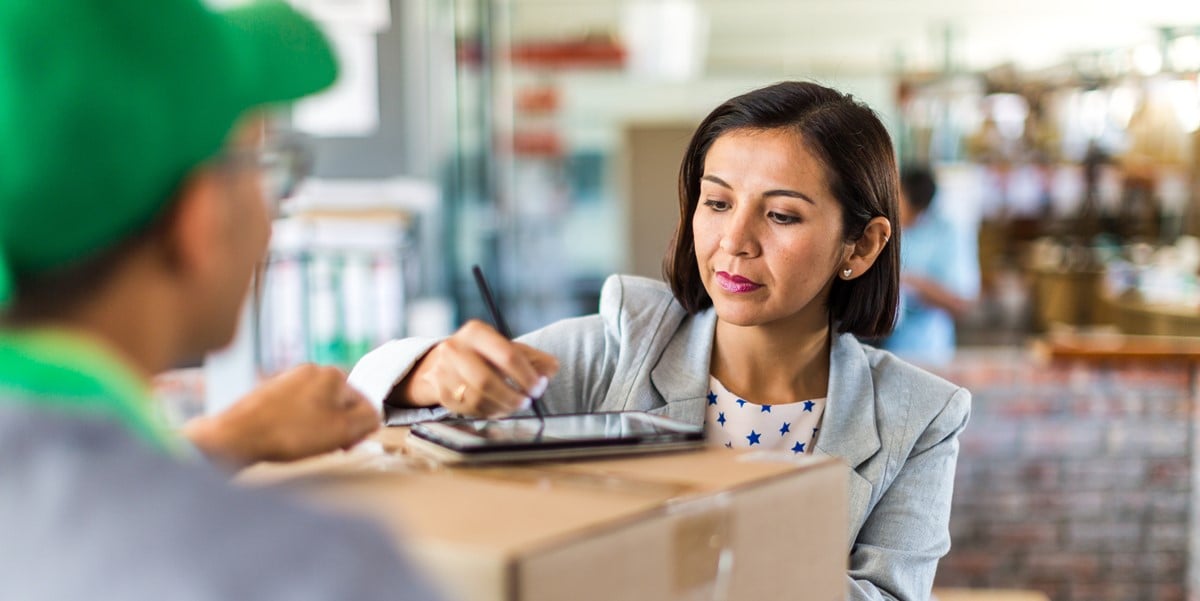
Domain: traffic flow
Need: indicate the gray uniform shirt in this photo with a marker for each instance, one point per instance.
(87, 511)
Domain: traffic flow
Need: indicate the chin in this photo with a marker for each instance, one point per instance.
(217, 336)
(225, 335)
(741, 323)
(222, 343)
(738, 313)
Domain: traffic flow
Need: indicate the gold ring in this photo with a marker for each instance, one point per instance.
(459, 393)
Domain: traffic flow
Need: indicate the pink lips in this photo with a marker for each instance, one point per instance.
(736, 283)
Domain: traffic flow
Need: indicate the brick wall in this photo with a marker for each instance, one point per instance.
(1074, 480)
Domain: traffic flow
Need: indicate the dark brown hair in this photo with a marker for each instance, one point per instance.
(849, 140)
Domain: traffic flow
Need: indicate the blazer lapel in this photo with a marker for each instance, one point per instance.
(681, 375)
(848, 429)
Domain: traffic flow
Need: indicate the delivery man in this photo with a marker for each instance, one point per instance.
(131, 218)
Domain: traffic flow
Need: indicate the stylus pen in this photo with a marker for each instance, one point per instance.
(498, 319)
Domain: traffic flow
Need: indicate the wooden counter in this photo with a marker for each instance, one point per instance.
(1077, 298)
(1140, 318)
(1118, 348)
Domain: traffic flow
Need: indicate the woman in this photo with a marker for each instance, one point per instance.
(785, 252)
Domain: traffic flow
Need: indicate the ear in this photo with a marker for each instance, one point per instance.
(861, 253)
(197, 227)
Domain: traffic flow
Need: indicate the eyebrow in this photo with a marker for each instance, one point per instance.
(781, 192)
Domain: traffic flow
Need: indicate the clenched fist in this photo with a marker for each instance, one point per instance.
(303, 412)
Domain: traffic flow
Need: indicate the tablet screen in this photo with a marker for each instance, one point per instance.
(564, 427)
(592, 427)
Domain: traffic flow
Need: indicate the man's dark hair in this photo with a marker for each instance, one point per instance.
(854, 147)
(919, 186)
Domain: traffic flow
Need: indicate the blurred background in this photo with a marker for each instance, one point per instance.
(541, 139)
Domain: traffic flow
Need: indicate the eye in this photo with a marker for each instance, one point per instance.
(716, 205)
(782, 219)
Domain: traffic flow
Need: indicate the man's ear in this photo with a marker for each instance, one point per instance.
(196, 226)
(863, 252)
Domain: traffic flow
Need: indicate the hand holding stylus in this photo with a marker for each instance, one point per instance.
(502, 326)
(478, 372)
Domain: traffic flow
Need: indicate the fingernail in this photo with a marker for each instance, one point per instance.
(540, 388)
(526, 403)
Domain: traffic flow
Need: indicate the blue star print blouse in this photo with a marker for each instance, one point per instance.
(736, 423)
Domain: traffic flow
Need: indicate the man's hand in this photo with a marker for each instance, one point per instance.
(303, 412)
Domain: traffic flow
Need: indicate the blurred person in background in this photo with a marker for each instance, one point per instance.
(939, 274)
(132, 215)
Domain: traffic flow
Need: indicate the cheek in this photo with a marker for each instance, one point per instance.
(703, 236)
(810, 257)
(257, 221)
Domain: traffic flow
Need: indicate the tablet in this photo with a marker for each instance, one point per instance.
(568, 436)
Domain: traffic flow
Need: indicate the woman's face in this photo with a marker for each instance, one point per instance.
(768, 231)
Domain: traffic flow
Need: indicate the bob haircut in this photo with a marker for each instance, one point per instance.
(853, 146)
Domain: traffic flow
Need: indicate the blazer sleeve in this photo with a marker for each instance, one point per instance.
(586, 353)
(898, 548)
(587, 349)
(378, 372)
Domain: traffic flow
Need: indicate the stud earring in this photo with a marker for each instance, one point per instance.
(847, 272)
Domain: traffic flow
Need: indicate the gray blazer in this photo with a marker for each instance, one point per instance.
(896, 426)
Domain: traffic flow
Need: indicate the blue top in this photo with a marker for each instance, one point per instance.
(936, 249)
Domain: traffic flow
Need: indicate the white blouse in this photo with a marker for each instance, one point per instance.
(736, 423)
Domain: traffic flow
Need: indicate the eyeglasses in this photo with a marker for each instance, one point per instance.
(283, 161)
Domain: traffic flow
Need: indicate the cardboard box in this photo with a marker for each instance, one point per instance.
(714, 524)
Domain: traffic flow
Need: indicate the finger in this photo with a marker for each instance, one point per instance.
(333, 380)
(307, 373)
(314, 382)
(448, 387)
(463, 401)
(284, 379)
(545, 363)
(484, 382)
(351, 400)
(505, 355)
(454, 396)
(466, 400)
(350, 397)
(494, 410)
(475, 402)
(360, 421)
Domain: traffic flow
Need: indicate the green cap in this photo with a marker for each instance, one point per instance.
(105, 105)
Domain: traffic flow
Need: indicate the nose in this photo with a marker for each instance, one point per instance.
(739, 238)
